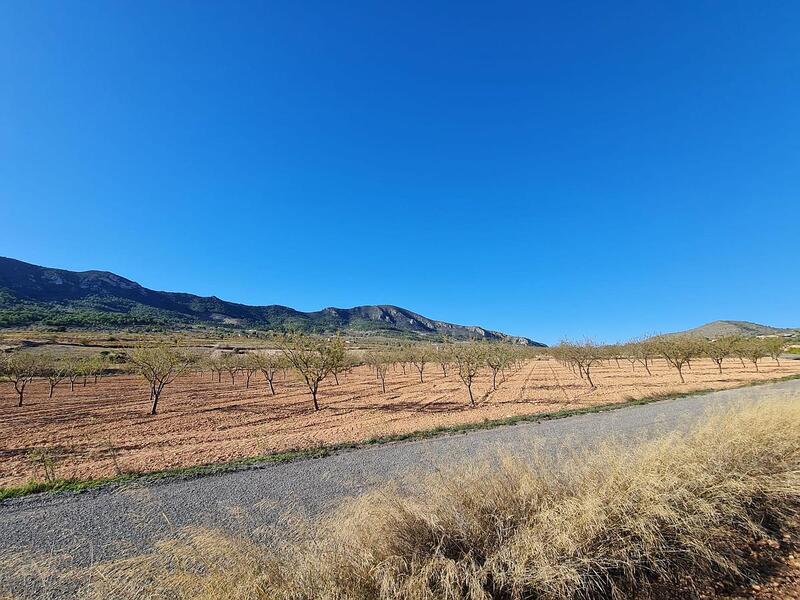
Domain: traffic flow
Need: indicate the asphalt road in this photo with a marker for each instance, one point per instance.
(78, 529)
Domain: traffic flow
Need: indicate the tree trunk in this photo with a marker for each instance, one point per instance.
(336, 377)
(271, 388)
(314, 398)
(154, 397)
(52, 388)
(589, 378)
(494, 379)
(680, 372)
(471, 398)
(383, 385)
(21, 394)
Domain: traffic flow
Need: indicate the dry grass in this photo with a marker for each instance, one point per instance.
(642, 520)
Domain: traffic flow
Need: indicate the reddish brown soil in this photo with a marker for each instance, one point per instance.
(104, 429)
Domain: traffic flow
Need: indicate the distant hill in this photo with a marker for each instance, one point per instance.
(718, 329)
(39, 296)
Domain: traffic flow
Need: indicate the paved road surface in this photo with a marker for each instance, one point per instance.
(112, 523)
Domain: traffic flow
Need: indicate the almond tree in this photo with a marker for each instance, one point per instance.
(249, 366)
(232, 363)
(582, 356)
(403, 356)
(613, 352)
(444, 356)
(419, 355)
(774, 347)
(160, 365)
(96, 366)
(20, 369)
(55, 371)
(718, 350)
(214, 364)
(739, 348)
(755, 349)
(678, 350)
(269, 363)
(644, 352)
(469, 358)
(343, 366)
(73, 368)
(313, 358)
(497, 359)
(380, 362)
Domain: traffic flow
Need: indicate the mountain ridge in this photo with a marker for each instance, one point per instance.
(36, 295)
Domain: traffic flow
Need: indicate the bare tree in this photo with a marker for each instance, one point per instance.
(232, 364)
(269, 363)
(96, 366)
(403, 356)
(644, 352)
(20, 368)
(718, 350)
(739, 348)
(755, 350)
(774, 347)
(581, 356)
(313, 358)
(55, 371)
(249, 366)
(214, 363)
(419, 356)
(73, 368)
(160, 365)
(469, 358)
(678, 350)
(444, 356)
(498, 358)
(343, 366)
(380, 361)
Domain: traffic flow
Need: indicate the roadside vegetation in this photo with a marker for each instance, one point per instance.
(663, 519)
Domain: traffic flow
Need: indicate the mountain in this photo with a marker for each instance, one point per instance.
(39, 296)
(718, 329)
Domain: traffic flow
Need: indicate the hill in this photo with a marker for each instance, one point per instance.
(718, 329)
(31, 295)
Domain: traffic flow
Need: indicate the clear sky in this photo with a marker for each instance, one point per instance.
(547, 169)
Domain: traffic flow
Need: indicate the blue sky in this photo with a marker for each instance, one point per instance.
(546, 169)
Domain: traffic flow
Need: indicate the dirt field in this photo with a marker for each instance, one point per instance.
(104, 429)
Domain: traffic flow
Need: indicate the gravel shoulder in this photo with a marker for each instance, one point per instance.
(75, 530)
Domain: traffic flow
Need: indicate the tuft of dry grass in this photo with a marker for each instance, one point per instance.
(625, 520)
